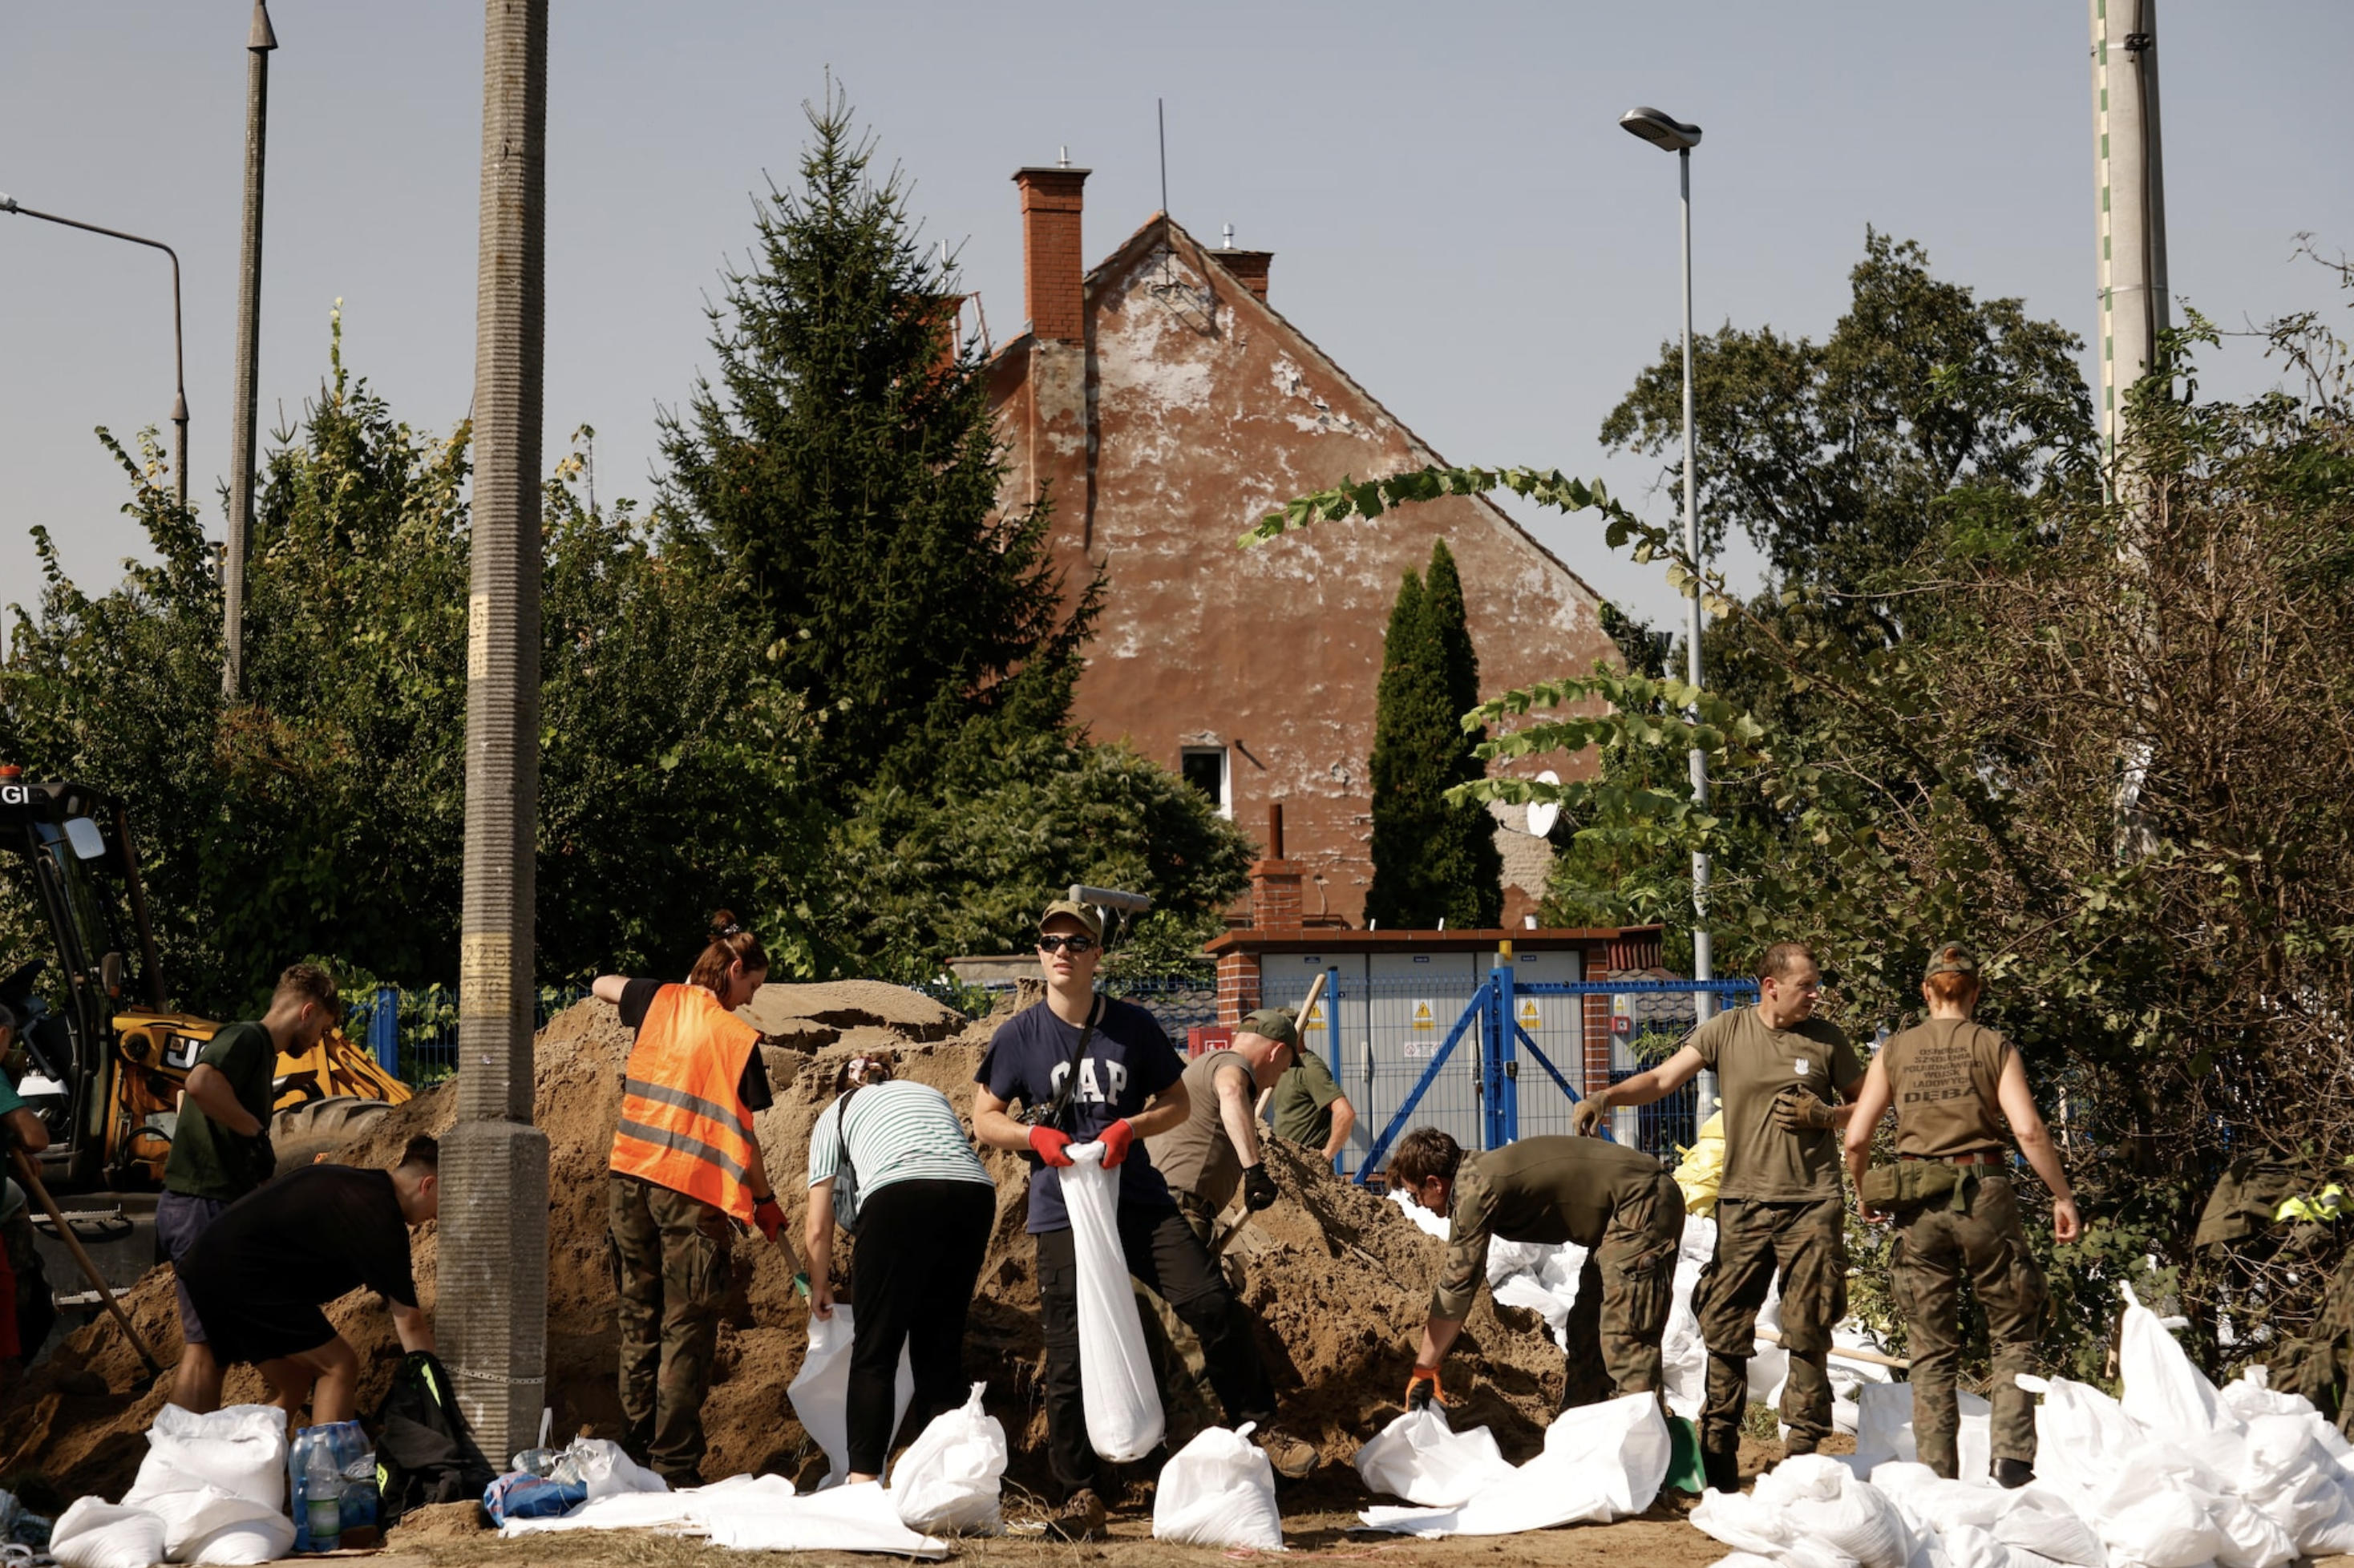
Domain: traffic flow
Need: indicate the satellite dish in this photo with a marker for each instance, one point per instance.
(1543, 814)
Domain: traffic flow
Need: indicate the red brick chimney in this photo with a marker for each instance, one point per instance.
(1276, 906)
(1249, 267)
(1053, 264)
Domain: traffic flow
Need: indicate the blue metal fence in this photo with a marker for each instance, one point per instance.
(1486, 1060)
(414, 1033)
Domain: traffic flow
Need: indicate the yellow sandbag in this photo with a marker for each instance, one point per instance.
(1701, 1170)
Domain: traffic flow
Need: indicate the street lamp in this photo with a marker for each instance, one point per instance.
(180, 390)
(1675, 136)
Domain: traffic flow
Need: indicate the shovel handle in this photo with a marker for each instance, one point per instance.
(32, 1181)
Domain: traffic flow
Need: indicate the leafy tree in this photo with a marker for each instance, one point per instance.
(325, 814)
(1433, 859)
(1843, 461)
(845, 465)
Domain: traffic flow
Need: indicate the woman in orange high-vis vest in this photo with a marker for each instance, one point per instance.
(686, 1170)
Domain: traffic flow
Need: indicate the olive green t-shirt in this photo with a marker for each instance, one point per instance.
(1303, 1102)
(1754, 1063)
(1543, 1190)
(1195, 1157)
(207, 1160)
(1943, 1076)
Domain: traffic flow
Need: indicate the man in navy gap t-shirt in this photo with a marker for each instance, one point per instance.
(1129, 1088)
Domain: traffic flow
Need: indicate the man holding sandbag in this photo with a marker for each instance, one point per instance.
(1088, 1068)
(1949, 1195)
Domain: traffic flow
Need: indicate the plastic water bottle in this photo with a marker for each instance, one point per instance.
(322, 1497)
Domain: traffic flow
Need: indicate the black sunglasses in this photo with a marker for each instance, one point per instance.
(1077, 944)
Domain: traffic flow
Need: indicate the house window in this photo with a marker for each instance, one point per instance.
(1204, 768)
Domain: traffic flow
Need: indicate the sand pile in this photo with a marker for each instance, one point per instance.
(1337, 1279)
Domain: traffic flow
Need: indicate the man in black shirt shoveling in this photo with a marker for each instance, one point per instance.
(260, 1272)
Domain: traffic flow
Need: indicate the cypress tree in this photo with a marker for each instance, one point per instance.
(844, 464)
(1462, 870)
(1403, 797)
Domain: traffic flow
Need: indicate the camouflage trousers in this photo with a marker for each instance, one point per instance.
(1806, 1242)
(671, 1269)
(1623, 1294)
(1937, 1247)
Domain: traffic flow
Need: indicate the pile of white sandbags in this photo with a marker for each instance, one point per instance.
(2176, 1473)
(211, 1489)
(1600, 1463)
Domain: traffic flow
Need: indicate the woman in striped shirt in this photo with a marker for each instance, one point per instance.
(890, 1163)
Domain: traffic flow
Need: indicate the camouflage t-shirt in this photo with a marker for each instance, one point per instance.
(1753, 1063)
(1942, 1076)
(1543, 1190)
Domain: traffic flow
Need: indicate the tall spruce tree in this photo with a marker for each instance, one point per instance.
(1462, 870)
(844, 464)
(1432, 860)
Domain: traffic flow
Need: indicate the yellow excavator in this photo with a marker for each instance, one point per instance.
(101, 1067)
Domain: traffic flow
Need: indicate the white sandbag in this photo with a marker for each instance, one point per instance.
(1600, 1462)
(1752, 1526)
(241, 1450)
(2148, 1521)
(1419, 1457)
(193, 1516)
(673, 1512)
(948, 1481)
(765, 1516)
(820, 1390)
(1883, 1429)
(2289, 1476)
(94, 1533)
(2029, 1519)
(1828, 1507)
(600, 1464)
(1967, 1546)
(1218, 1490)
(263, 1540)
(1425, 1221)
(2163, 1391)
(1116, 1390)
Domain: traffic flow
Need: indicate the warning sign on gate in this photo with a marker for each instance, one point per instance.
(1315, 1019)
(1425, 1020)
(1622, 1015)
(1532, 1018)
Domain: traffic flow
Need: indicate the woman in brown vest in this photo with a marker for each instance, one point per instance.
(1955, 1086)
(686, 1170)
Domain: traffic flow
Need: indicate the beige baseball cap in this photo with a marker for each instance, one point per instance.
(1079, 912)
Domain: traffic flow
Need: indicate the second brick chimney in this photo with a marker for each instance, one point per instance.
(1249, 267)
(1060, 435)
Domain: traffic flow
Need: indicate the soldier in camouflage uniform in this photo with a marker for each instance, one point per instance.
(1780, 1206)
(1947, 1079)
(1617, 1202)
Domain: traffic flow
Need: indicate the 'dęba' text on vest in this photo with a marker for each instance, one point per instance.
(684, 1124)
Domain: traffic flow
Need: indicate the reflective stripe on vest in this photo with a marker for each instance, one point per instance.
(684, 1124)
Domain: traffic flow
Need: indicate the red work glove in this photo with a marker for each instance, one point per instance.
(1422, 1390)
(1116, 1140)
(1051, 1146)
(768, 1215)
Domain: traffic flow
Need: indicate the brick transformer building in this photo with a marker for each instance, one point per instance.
(1165, 406)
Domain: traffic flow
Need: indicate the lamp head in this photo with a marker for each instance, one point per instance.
(1660, 130)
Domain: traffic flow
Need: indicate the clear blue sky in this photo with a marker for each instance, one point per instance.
(1454, 214)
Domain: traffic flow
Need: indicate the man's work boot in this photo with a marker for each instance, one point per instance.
(1722, 1469)
(1293, 1460)
(1797, 1442)
(1081, 1517)
(2013, 1474)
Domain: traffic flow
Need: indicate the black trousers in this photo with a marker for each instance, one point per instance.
(1163, 1252)
(918, 1256)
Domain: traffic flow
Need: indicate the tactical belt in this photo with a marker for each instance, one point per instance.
(1981, 1158)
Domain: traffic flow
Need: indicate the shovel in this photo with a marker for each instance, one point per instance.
(31, 1183)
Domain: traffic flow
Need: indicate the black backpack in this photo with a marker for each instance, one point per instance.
(424, 1454)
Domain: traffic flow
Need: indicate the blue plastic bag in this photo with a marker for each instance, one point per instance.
(519, 1494)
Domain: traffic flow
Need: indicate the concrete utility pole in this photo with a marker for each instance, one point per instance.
(493, 1310)
(260, 41)
(2131, 201)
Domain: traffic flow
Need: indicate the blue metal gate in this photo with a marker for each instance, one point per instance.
(1482, 1059)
